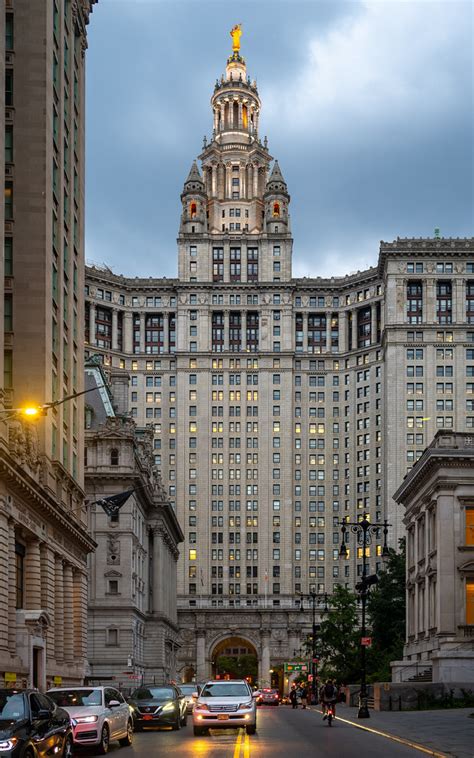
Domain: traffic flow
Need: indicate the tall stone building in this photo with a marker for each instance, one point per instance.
(132, 619)
(43, 536)
(279, 405)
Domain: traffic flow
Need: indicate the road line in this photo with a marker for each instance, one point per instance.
(401, 740)
(237, 745)
(246, 747)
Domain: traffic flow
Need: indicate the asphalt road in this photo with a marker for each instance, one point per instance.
(281, 733)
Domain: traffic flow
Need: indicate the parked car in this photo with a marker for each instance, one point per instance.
(158, 706)
(269, 697)
(188, 690)
(99, 715)
(32, 725)
(224, 704)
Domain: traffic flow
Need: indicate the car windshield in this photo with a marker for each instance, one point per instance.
(154, 693)
(12, 706)
(76, 698)
(187, 689)
(219, 689)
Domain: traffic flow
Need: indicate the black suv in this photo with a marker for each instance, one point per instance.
(158, 705)
(32, 726)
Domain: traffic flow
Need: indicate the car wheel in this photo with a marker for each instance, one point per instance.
(177, 723)
(251, 728)
(125, 741)
(104, 741)
(68, 747)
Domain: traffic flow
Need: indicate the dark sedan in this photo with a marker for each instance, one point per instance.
(158, 706)
(32, 725)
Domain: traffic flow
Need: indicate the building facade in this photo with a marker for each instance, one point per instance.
(438, 496)
(280, 405)
(43, 530)
(132, 623)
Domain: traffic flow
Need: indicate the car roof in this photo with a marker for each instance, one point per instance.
(92, 687)
(226, 681)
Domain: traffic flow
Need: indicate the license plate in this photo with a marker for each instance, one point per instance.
(148, 717)
(223, 716)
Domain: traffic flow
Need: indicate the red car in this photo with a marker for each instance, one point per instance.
(269, 697)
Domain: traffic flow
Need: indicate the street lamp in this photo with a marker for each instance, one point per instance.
(314, 598)
(32, 411)
(364, 531)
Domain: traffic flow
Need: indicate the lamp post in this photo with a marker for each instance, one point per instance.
(31, 411)
(364, 531)
(315, 599)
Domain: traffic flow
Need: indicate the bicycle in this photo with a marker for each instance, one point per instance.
(330, 713)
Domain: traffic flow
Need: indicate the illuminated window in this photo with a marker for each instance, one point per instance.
(193, 210)
(470, 601)
(470, 525)
(276, 210)
(192, 554)
(360, 552)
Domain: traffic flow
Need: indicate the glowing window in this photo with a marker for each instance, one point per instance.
(276, 210)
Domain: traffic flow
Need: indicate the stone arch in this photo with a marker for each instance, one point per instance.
(235, 645)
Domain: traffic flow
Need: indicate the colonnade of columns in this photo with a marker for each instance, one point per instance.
(228, 117)
(218, 178)
(50, 583)
(127, 329)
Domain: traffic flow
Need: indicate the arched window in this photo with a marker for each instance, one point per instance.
(245, 117)
(276, 210)
(114, 457)
(193, 210)
(235, 115)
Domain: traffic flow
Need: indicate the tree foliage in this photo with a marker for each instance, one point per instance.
(239, 666)
(339, 637)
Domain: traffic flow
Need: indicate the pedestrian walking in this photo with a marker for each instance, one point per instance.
(304, 696)
(293, 698)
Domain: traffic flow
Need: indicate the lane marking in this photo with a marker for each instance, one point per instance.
(246, 746)
(393, 737)
(237, 745)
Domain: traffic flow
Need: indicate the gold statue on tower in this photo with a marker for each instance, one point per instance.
(236, 33)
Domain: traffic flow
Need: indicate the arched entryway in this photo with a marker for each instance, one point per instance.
(235, 658)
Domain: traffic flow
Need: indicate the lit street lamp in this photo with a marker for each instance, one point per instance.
(315, 599)
(364, 531)
(32, 412)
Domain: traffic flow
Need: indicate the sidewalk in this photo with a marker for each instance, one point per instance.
(446, 731)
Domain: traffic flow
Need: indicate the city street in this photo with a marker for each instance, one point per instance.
(282, 732)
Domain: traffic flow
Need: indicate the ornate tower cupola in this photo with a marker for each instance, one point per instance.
(194, 200)
(276, 200)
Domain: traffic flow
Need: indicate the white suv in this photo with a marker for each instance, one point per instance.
(224, 705)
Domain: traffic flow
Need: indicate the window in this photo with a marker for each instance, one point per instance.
(8, 200)
(469, 540)
(112, 638)
(114, 457)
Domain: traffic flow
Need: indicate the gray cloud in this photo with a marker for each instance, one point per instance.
(367, 105)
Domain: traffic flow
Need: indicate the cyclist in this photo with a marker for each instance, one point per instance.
(328, 695)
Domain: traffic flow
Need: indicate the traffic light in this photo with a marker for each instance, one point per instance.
(366, 582)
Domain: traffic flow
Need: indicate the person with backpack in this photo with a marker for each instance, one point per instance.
(304, 695)
(293, 697)
(328, 695)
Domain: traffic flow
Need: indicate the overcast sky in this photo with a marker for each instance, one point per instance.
(368, 107)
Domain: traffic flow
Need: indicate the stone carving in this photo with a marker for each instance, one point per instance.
(113, 550)
(23, 443)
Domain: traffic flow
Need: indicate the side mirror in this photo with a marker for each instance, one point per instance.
(42, 714)
(114, 703)
(256, 693)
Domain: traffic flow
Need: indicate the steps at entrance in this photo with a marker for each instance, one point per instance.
(423, 676)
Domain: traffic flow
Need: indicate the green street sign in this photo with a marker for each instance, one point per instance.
(293, 668)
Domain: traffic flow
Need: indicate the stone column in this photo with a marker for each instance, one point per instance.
(459, 298)
(47, 594)
(59, 608)
(354, 329)
(305, 332)
(201, 667)
(243, 331)
(226, 331)
(373, 324)
(166, 333)
(11, 588)
(142, 333)
(114, 329)
(68, 615)
(157, 571)
(243, 188)
(4, 580)
(92, 338)
(255, 179)
(446, 560)
(127, 326)
(220, 181)
(430, 312)
(79, 580)
(33, 575)
(328, 331)
(265, 660)
(214, 180)
(240, 115)
(342, 331)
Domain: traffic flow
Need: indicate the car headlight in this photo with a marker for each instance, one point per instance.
(84, 720)
(245, 706)
(8, 744)
(168, 707)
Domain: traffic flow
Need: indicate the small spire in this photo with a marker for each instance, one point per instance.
(194, 175)
(276, 175)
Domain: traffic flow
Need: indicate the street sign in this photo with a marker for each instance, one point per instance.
(366, 641)
(293, 668)
(310, 677)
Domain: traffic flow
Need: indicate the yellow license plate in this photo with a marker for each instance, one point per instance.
(223, 716)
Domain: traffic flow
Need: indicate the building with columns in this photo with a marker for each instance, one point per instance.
(43, 531)
(279, 405)
(438, 497)
(132, 624)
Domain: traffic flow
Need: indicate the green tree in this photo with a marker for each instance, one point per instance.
(339, 638)
(386, 614)
(239, 666)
